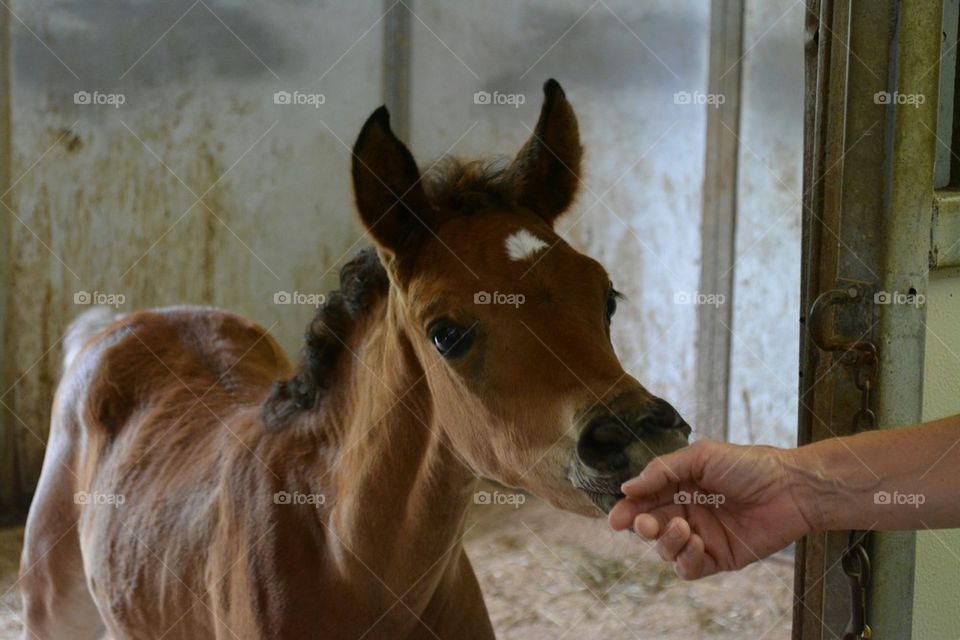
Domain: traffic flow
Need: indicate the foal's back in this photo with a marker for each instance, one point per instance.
(149, 421)
(168, 393)
(215, 357)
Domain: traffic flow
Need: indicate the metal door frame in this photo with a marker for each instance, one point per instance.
(868, 219)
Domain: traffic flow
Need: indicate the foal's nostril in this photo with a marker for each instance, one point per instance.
(603, 444)
(664, 416)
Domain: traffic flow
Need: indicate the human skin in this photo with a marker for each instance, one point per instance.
(755, 500)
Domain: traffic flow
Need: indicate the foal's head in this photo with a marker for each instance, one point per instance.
(510, 323)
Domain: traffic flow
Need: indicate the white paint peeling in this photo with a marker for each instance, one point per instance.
(522, 245)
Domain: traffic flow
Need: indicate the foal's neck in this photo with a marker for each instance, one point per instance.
(402, 493)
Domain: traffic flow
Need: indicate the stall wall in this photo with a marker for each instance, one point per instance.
(155, 165)
(766, 332)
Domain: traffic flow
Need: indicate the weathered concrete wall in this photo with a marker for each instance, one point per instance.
(107, 197)
(765, 349)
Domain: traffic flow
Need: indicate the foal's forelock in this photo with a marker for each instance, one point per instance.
(461, 187)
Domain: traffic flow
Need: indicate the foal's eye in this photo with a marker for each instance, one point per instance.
(611, 307)
(451, 340)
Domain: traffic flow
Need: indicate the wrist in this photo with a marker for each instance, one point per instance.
(816, 493)
(832, 486)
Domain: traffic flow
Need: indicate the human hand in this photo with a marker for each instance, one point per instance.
(714, 507)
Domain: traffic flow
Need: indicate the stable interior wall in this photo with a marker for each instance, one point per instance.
(156, 164)
(765, 348)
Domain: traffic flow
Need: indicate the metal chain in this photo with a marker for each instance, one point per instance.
(865, 377)
(856, 559)
(856, 564)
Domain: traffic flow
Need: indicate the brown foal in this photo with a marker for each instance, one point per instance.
(198, 486)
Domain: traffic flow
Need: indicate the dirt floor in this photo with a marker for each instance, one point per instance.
(548, 574)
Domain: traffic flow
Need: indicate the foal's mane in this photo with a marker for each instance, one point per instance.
(363, 282)
(452, 186)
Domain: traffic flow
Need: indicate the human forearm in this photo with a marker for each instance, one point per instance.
(892, 479)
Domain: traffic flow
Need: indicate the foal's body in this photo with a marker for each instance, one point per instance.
(226, 495)
(210, 552)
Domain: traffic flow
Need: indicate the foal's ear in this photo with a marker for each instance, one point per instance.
(386, 185)
(546, 172)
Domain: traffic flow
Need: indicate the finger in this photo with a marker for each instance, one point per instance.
(651, 524)
(665, 472)
(689, 565)
(622, 514)
(658, 475)
(674, 539)
(647, 526)
(710, 564)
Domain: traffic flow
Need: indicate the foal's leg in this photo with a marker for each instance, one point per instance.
(56, 601)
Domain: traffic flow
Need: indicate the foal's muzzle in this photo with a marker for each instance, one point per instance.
(605, 443)
(616, 445)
